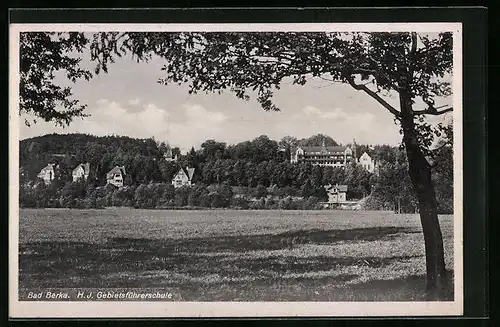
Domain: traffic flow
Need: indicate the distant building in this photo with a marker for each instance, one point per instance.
(47, 174)
(81, 171)
(183, 177)
(168, 155)
(116, 176)
(366, 162)
(334, 156)
(336, 193)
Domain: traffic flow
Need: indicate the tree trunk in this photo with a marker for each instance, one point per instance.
(420, 174)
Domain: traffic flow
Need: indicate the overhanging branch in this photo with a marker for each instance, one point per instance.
(432, 111)
(363, 87)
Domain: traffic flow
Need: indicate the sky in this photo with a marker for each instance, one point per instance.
(128, 101)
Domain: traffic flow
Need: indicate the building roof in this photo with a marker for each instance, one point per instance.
(328, 149)
(189, 172)
(336, 188)
(85, 166)
(116, 170)
(342, 188)
(168, 154)
(48, 167)
(365, 154)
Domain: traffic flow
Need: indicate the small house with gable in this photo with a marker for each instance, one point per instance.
(367, 162)
(116, 176)
(81, 172)
(336, 193)
(184, 177)
(47, 174)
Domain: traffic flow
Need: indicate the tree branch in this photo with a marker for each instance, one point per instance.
(362, 87)
(432, 111)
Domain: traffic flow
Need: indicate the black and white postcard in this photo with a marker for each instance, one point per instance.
(235, 170)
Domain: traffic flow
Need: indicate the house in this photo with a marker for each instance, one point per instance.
(115, 176)
(366, 162)
(81, 172)
(336, 193)
(183, 177)
(47, 174)
(334, 156)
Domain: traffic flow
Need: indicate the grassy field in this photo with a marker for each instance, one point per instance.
(226, 255)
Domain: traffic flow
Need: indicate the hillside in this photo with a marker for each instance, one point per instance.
(254, 165)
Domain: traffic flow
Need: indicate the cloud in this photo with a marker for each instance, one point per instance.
(199, 125)
(197, 113)
(134, 102)
(191, 126)
(340, 124)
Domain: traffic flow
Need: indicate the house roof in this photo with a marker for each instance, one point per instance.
(365, 155)
(329, 149)
(342, 188)
(336, 188)
(189, 172)
(168, 154)
(48, 167)
(85, 166)
(116, 170)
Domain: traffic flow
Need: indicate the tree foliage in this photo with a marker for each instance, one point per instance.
(42, 56)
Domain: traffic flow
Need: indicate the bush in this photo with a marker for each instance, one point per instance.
(286, 191)
(196, 193)
(181, 196)
(271, 204)
(260, 191)
(312, 203)
(240, 203)
(286, 203)
(259, 204)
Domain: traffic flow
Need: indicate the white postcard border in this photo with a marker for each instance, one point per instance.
(30, 309)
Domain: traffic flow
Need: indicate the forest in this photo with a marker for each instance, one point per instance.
(254, 174)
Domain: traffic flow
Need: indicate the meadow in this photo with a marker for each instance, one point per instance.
(229, 255)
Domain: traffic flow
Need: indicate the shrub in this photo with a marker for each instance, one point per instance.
(239, 203)
(285, 203)
(260, 191)
(259, 204)
(181, 196)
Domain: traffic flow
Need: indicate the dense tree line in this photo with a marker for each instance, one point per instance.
(256, 169)
(83, 195)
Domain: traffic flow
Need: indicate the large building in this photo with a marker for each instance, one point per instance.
(334, 156)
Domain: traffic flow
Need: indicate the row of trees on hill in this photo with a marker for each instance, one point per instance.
(143, 158)
(257, 164)
(83, 195)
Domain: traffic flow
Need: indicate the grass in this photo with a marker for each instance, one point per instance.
(230, 255)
